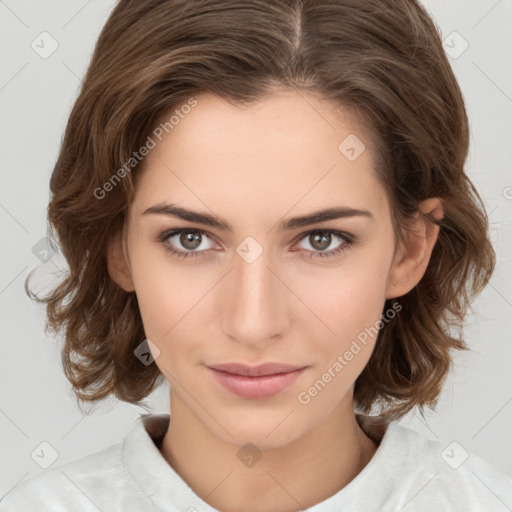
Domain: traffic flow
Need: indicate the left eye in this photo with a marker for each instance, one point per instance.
(192, 241)
(322, 240)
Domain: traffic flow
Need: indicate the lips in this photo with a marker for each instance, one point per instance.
(255, 371)
(255, 382)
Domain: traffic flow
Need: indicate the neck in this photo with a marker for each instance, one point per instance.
(288, 478)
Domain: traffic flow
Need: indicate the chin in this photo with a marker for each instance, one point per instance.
(267, 429)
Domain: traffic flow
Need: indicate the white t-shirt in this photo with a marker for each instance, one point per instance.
(408, 473)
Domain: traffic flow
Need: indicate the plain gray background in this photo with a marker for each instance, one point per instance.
(36, 95)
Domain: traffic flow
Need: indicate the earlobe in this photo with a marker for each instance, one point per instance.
(413, 255)
(118, 267)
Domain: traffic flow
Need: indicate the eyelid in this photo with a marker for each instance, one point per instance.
(332, 231)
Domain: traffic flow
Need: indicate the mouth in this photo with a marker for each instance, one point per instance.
(255, 371)
(256, 382)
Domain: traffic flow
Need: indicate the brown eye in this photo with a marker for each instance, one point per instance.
(190, 240)
(191, 243)
(320, 240)
(186, 243)
(326, 243)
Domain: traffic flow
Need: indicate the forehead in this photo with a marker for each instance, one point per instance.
(289, 150)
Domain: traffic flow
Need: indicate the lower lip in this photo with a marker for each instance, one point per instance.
(256, 388)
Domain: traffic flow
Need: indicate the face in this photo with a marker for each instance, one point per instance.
(256, 287)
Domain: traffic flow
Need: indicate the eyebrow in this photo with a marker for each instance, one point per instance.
(214, 221)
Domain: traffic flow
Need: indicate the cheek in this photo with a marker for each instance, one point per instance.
(348, 302)
(175, 303)
(342, 300)
(162, 296)
(351, 293)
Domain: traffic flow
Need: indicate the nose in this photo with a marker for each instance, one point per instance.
(255, 302)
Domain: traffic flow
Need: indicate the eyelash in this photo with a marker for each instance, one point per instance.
(348, 240)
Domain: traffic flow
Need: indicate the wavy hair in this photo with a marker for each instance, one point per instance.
(381, 59)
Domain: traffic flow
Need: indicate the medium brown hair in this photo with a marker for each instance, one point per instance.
(381, 59)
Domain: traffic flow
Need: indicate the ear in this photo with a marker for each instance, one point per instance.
(412, 257)
(118, 262)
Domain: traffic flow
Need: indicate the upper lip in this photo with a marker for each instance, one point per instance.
(255, 371)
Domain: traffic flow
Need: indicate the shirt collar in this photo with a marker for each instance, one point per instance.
(165, 487)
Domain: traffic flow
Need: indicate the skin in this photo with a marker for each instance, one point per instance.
(255, 167)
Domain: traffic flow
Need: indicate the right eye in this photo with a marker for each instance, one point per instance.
(189, 239)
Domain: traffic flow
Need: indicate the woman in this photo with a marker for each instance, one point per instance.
(264, 204)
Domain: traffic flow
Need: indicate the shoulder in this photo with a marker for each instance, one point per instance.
(110, 479)
(436, 474)
(85, 484)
